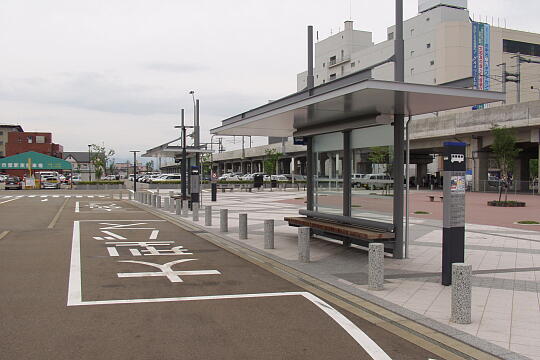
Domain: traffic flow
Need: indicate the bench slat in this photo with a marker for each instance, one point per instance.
(350, 231)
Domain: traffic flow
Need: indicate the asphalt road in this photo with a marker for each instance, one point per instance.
(97, 278)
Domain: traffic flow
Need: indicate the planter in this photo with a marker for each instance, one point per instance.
(506, 203)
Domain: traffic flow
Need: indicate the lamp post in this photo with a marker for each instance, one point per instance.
(134, 169)
(89, 163)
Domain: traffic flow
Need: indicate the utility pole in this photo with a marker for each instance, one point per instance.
(183, 168)
(518, 82)
(134, 169)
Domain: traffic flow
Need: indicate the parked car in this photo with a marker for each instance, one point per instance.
(165, 177)
(229, 177)
(278, 177)
(13, 183)
(50, 182)
(3, 178)
(76, 179)
(356, 179)
(378, 181)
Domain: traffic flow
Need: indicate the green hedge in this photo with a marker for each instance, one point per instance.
(100, 182)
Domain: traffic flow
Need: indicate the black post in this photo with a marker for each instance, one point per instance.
(347, 191)
(134, 170)
(184, 160)
(453, 242)
(399, 127)
(89, 163)
(309, 173)
(214, 191)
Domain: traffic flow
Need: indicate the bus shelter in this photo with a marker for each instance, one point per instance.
(348, 127)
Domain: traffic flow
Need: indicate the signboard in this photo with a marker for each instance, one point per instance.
(480, 57)
(454, 185)
(299, 140)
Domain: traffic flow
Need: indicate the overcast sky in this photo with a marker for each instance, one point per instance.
(118, 71)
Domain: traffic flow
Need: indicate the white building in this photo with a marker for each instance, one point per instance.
(438, 50)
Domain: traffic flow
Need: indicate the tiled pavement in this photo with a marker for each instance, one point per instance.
(505, 261)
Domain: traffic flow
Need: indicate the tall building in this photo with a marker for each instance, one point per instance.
(4, 130)
(442, 45)
(41, 142)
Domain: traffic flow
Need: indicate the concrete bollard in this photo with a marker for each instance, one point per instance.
(303, 244)
(158, 201)
(242, 226)
(178, 206)
(268, 234)
(154, 200)
(376, 266)
(208, 215)
(130, 195)
(223, 220)
(166, 203)
(195, 209)
(185, 208)
(461, 293)
(417, 187)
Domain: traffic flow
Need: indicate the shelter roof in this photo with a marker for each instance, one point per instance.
(353, 101)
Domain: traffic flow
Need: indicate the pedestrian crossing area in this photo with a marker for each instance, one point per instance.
(85, 196)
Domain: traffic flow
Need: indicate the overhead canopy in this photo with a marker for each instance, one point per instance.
(350, 102)
(167, 150)
(35, 161)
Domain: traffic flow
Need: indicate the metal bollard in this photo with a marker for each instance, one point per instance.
(166, 203)
(223, 220)
(154, 200)
(303, 244)
(461, 293)
(208, 215)
(178, 206)
(195, 209)
(129, 195)
(120, 196)
(158, 201)
(185, 208)
(376, 266)
(242, 226)
(268, 234)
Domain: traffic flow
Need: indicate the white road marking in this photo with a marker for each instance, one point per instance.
(98, 238)
(77, 207)
(44, 196)
(78, 196)
(90, 196)
(3, 202)
(112, 251)
(7, 197)
(32, 196)
(116, 236)
(55, 196)
(74, 285)
(154, 234)
(45, 200)
(135, 252)
(75, 299)
(166, 270)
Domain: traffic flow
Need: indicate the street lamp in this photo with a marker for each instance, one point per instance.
(89, 162)
(134, 169)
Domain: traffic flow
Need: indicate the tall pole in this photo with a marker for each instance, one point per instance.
(399, 75)
(518, 82)
(184, 159)
(310, 79)
(134, 169)
(504, 80)
(89, 163)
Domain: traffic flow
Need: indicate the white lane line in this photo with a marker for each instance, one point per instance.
(67, 196)
(45, 200)
(77, 207)
(112, 251)
(358, 335)
(44, 196)
(154, 234)
(3, 202)
(78, 196)
(3, 234)
(135, 252)
(110, 233)
(89, 196)
(32, 196)
(55, 196)
(7, 196)
(74, 285)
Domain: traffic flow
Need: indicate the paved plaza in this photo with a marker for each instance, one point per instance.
(505, 261)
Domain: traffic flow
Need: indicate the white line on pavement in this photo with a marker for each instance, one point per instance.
(77, 207)
(74, 287)
(154, 235)
(3, 202)
(113, 235)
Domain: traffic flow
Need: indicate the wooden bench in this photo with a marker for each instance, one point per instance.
(432, 198)
(349, 234)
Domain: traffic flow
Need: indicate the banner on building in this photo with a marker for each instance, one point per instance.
(480, 57)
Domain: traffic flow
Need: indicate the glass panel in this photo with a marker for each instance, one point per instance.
(372, 182)
(328, 182)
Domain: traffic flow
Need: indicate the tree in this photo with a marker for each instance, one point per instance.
(206, 165)
(100, 158)
(270, 161)
(150, 166)
(382, 155)
(505, 151)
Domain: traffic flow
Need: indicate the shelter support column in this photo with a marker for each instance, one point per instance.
(346, 166)
(309, 173)
(480, 163)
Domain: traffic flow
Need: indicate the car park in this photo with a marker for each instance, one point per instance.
(13, 183)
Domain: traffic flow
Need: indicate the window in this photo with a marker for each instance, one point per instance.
(317, 76)
(391, 36)
(412, 52)
(432, 62)
(323, 81)
(40, 139)
(434, 80)
(332, 76)
(412, 71)
(427, 19)
(323, 65)
(332, 61)
(428, 45)
(353, 64)
(412, 32)
(1, 133)
(524, 48)
(1, 153)
(29, 139)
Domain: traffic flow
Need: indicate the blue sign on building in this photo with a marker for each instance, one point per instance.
(480, 57)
